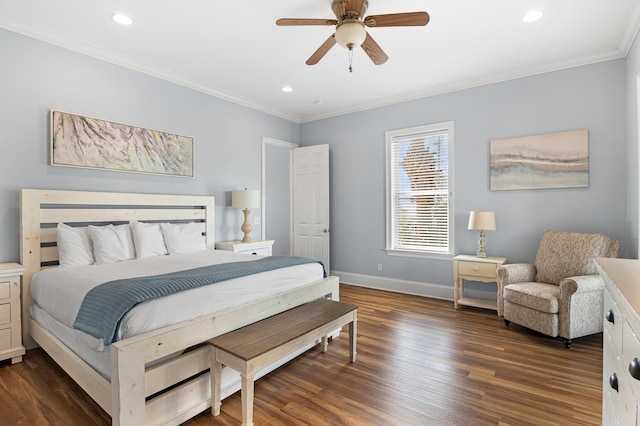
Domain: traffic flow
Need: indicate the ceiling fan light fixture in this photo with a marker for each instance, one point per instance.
(350, 33)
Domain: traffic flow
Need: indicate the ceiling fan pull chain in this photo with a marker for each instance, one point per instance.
(350, 59)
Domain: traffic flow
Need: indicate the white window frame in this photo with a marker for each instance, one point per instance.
(390, 137)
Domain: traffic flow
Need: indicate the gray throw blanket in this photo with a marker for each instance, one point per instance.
(105, 305)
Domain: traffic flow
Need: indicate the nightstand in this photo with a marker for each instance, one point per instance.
(474, 268)
(10, 320)
(261, 247)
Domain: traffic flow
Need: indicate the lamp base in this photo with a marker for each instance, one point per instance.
(482, 245)
(246, 227)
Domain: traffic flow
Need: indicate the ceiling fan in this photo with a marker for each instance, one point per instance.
(350, 28)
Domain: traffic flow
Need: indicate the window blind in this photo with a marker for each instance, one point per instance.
(419, 185)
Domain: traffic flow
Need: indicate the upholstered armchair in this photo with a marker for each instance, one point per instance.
(561, 294)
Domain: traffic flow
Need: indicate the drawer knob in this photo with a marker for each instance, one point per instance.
(634, 368)
(610, 317)
(613, 381)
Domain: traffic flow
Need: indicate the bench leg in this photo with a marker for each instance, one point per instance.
(216, 375)
(353, 331)
(325, 343)
(246, 379)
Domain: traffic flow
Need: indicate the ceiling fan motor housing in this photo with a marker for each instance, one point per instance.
(341, 8)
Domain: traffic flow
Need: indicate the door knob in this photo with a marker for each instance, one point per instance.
(325, 230)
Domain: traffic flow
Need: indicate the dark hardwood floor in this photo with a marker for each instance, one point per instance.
(419, 362)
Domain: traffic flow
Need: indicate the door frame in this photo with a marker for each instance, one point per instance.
(263, 184)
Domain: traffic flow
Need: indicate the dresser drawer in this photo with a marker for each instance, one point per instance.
(478, 269)
(5, 289)
(631, 356)
(5, 338)
(621, 402)
(5, 313)
(613, 320)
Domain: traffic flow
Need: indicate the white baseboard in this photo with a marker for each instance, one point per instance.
(418, 288)
(436, 291)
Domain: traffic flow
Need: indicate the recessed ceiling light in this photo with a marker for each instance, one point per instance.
(532, 16)
(287, 89)
(121, 19)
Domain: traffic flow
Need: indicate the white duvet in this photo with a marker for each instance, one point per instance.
(60, 291)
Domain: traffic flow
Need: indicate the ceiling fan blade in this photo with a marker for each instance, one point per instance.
(301, 21)
(374, 51)
(322, 50)
(397, 19)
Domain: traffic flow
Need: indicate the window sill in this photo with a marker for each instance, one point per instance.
(420, 254)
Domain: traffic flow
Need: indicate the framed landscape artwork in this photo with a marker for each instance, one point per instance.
(552, 160)
(92, 143)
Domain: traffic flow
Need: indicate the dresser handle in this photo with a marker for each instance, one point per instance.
(613, 381)
(634, 368)
(610, 316)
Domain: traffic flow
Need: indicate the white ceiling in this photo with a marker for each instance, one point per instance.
(234, 50)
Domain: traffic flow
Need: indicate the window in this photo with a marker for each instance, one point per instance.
(419, 190)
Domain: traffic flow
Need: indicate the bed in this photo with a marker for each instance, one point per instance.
(160, 376)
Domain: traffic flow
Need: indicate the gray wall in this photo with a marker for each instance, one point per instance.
(591, 97)
(37, 76)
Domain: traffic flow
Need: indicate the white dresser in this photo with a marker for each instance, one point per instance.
(621, 341)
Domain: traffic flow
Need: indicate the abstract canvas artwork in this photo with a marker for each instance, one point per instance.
(552, 160)
(86, 142)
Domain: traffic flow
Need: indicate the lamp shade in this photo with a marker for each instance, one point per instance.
(245, 199)
(482, 221)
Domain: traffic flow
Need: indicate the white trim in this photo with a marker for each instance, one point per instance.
(263, 182)
(449, 128)
(625, 43)
(436, 291)
(416, 288)
(135, 64)
(480, 81)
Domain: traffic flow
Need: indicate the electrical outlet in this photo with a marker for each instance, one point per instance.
(256, 220)
(379, 267)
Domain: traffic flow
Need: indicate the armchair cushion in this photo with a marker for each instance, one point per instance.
(538, 296)
(566, 254)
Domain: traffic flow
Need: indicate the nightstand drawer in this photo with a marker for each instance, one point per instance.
(5, 289)
(478, 269)
(5, 338)
(5, 313)
(261, 251)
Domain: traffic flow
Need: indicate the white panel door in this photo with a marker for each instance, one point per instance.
(311, 202)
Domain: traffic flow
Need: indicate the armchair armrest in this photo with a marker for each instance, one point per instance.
(581, 303)
(580, 284)
(513, 273)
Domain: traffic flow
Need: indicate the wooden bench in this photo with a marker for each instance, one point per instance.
(251, 348)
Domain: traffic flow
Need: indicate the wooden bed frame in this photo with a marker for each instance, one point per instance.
(171, 391)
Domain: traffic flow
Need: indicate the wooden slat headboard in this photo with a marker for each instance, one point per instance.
(42, 210)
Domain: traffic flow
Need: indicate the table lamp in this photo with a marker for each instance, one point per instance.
(482, 221)
(245, 199)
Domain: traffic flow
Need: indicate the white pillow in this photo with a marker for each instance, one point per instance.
(183, 237)
(148, 239)
(112, 243)
(74, 246)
